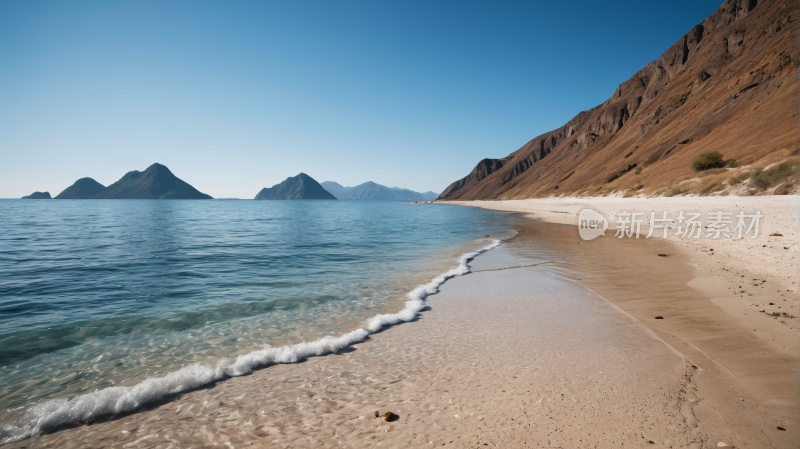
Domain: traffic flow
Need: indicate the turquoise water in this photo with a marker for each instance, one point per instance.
(101, 294)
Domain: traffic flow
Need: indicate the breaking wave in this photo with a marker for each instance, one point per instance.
(113, 400)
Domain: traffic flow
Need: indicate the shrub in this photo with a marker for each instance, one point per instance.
(738, 178)
(711, 159)
(676, 191)
(785, 190)
(734, 163)
(709, 188)
(766, 178)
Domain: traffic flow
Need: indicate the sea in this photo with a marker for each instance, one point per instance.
(106, 305)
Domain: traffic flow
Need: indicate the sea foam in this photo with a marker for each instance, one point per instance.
(108, 401)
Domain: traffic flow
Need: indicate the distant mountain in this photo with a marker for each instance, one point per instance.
(300, 187)
(372, 191)
(157, 183)
(38, 196)
(430, 196)
(81, 190)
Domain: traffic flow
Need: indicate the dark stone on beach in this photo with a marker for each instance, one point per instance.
(659, 317)
(781, 428)
(38, 196)
(300, 187)
(662, 255)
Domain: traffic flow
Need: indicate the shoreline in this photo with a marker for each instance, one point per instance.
(745, 283)
(458, 375)
(120, 400)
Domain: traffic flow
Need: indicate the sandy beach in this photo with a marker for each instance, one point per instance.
(551, 341)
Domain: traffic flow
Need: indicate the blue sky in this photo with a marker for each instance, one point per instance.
(236, 95)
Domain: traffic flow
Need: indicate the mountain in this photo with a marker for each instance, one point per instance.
(730, 85)
(372, 191)
(429, 196)
(81, 190)
(37, 196)
(300, 187)
(157, 182)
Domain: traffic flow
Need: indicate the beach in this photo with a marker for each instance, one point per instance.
(550, 341)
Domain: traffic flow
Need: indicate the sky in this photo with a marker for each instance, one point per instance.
(237, 95)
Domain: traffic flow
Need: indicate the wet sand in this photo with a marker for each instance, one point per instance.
(520, 357)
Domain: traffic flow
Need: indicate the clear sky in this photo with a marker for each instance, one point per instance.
(234, 96)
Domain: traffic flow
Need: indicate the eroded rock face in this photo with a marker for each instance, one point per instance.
(716, 89)
(37, 196)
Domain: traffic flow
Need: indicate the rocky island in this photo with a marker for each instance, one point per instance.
(300, 187)
(157, 182)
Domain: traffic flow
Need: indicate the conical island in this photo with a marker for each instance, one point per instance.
(300, 187)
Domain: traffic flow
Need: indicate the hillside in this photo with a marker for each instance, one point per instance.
(729, 85)
(300, 187)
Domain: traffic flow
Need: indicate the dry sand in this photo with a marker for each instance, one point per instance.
(528, 357)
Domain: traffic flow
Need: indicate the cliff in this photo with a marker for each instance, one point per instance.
(730, 85)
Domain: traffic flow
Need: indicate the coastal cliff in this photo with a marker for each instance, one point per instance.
(730, 85)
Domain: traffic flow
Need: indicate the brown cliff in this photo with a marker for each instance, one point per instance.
(730, 85)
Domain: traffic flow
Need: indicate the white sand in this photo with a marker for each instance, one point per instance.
(747, 255)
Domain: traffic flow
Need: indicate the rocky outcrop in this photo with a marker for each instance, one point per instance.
(300, 187)
(38, 196)
(729, 84)
(82, 189)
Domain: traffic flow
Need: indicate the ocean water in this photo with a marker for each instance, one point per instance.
(108, 304)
